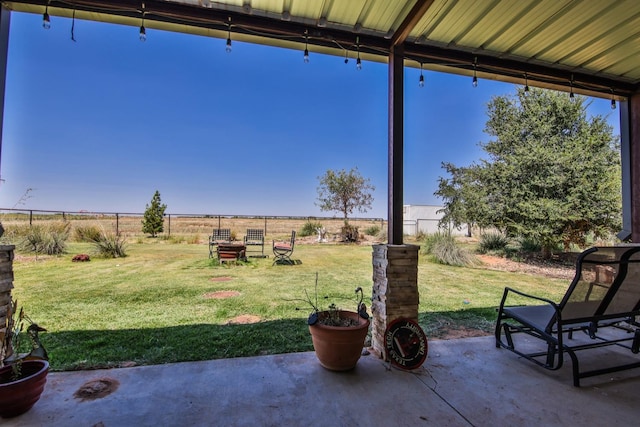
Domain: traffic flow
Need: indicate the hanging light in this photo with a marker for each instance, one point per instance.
(73, 24)
(46, 21)
(306, 44)
(526, 85)
(358, 62)
(613, 101)
(228, 47)
(143, 31)
(421, 79)
(571, 95)
(346, 56)
(474, 82)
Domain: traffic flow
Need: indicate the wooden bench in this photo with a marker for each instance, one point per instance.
(602, 303)
(255, 237)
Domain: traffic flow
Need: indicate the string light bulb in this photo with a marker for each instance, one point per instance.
(46, 21)
(306, 50)
(572, 97)
(526, 85)
(358, 62)
(474, 82)
(421, 79)
(143, 31)
(613, 101)
(228, 47)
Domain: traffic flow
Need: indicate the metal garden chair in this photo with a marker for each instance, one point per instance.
(282, 251)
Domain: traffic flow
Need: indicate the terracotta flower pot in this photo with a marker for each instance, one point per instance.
(17, 397)
(338, 348)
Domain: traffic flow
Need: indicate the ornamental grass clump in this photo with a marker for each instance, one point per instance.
(106, 244)
(444, 249)
(50, 239)
(492, 242)
(309, 228)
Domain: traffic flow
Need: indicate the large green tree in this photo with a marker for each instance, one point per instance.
(153, 220)
(344, 191)
(552, 174)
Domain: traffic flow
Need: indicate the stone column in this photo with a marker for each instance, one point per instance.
(395, 289)
(6, 284)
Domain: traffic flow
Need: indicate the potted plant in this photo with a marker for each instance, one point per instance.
(338, 335)
(22, 375)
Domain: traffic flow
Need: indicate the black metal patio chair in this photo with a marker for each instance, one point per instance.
(282, 251)
(219, 235)
(255, 237)
(602, 301)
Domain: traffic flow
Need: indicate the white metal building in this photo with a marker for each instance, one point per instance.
(425, 219)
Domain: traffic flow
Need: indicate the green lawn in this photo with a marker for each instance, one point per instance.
(152, 306)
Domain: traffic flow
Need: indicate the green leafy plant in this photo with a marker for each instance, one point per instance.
(331, 316)
(530, 245)
(349, 233)
(492, 242)
(372, 231)
(309, 228)
(15, 348)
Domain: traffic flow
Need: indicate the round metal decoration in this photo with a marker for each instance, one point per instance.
(405, 344)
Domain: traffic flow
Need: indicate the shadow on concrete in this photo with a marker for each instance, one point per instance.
(73, 350)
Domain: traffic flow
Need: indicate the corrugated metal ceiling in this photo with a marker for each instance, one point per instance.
(592, 44)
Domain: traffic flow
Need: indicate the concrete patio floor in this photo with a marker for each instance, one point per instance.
(464, 382)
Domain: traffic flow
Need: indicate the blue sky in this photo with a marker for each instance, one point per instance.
(101, 123)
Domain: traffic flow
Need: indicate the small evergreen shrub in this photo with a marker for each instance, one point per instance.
(349, 233)
(309, 228)
(372, 231)
(530, 245)
(492, 242)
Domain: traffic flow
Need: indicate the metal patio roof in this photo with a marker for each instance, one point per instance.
(589, 45)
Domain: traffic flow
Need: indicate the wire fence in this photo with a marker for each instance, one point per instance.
(185, 225)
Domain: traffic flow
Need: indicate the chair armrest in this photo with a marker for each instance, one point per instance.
(541, 299)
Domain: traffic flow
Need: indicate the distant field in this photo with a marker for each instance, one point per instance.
(193, 228)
